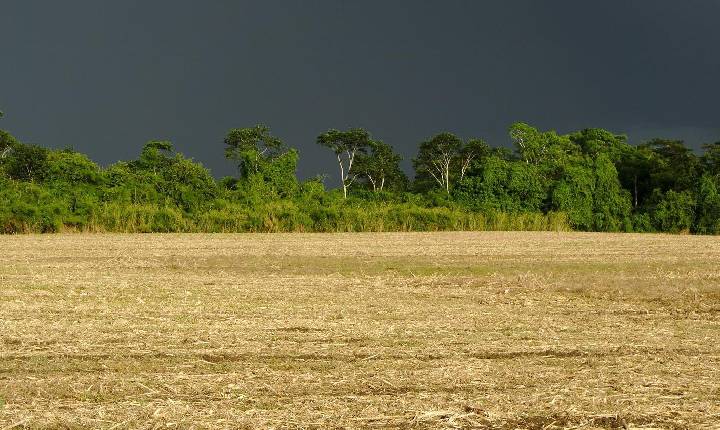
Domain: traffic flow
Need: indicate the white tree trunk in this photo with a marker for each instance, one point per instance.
(345, 176)
(372, 181)
(342, 175)
(447, 176)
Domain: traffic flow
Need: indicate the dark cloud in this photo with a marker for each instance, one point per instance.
(104, 77)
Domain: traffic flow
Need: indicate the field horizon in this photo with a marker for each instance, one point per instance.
(502, 330)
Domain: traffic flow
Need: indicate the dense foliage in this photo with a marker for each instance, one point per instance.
(589, 180)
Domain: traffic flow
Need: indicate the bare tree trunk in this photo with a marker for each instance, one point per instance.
(342, 176)
(447, 177)
(439, 177)
(346, 176)
(372, 181)
(465, 166)
(635, 189)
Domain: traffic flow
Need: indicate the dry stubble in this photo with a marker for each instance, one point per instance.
(489, 330)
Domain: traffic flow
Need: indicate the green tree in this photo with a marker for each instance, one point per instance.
(634, 168)
(26, 163)
(436, 158)
(445, 160)
(673, 166)
(711, 158)
(252, 147)
(280, 174)
(346, 145)
(612, 203)
(189, 184)
(529, 142)
(547, 149)
(708, 206)
(503, 185)
(128, 183)
(7, 142)
(160, 176)
(155, 156)
(471, 152)
(381, 165)
(596, 141)
(674, 212)
(573, 194)
(72, 168)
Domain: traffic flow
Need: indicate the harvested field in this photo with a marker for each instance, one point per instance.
(421, 330)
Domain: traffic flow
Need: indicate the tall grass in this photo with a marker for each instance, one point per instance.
(276, 216)
(286, 217)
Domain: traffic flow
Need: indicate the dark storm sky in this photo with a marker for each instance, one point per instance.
(106, 76)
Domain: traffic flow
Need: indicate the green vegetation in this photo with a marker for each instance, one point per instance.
(590, 180)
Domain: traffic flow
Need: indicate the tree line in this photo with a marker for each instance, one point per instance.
(589, 180)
